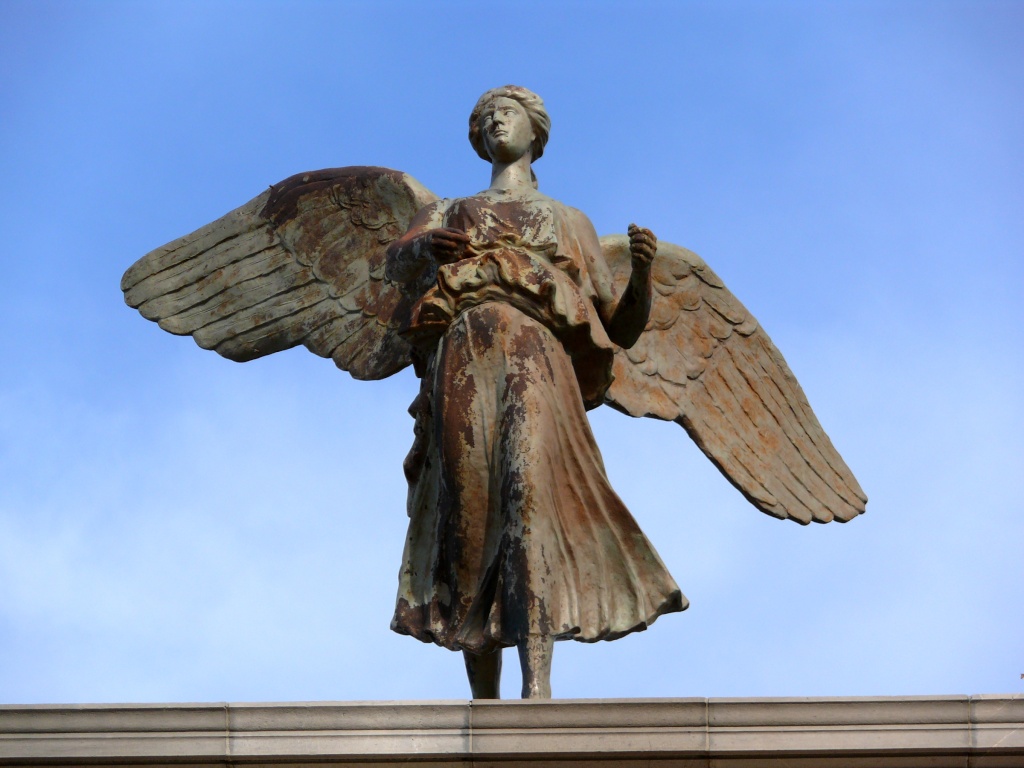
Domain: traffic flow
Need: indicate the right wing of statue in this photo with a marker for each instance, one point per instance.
(704, 362)
(302, 263)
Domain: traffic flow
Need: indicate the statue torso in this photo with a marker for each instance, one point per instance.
(522, 252)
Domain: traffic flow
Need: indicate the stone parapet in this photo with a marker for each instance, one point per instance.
(932, 731)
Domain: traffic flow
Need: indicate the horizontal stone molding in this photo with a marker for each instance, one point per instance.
(933, 731)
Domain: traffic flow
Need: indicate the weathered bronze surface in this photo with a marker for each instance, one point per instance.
(517, 319)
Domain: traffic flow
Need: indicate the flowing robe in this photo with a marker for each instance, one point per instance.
(514, 528)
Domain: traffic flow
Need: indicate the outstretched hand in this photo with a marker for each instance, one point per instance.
(445, 244)
(642, 247)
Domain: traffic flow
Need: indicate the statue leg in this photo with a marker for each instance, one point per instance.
(535, 658)
(484, 671)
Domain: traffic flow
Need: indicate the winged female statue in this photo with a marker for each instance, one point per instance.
(517, 319)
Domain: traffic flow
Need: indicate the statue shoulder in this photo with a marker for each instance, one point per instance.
(431, 214)
(573, 219)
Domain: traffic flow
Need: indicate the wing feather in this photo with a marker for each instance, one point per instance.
(249, 345)
(776, 441)
(217, 237)
(798, 411)
(282, 308)
(334, 333)
(173, 300)
(720, 446)
(745, 443)
(704, 362)
(201, 267)
(301, 263)
(237, 298)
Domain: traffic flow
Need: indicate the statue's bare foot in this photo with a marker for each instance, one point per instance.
(535, 658)
(484, 671)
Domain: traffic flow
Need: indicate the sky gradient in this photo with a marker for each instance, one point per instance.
(176, 527)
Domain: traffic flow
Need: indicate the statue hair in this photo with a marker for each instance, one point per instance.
(532, 103)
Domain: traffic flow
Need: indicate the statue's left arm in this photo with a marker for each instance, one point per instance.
(624, 316)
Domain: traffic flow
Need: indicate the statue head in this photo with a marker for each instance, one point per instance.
(530, 101)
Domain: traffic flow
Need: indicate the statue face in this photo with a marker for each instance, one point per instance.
(506, 130)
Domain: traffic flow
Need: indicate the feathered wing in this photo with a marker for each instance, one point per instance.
(704, 362)
(302, 263)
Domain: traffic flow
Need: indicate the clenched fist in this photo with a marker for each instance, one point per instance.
(642, 247)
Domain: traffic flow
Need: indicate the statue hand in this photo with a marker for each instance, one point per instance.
(642, 247)
(445, 244)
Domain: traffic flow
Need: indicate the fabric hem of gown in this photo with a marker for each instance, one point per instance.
(675, 603)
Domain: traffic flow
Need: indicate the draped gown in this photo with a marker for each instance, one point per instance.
(514, 528)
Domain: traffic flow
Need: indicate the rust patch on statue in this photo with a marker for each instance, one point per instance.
(530, 345)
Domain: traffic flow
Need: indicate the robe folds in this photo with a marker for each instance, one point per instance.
(514, 528)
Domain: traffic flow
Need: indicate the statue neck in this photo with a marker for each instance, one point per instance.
(512, 175)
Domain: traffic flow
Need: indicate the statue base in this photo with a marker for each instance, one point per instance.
(986, 730)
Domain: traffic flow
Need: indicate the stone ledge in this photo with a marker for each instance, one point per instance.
(934, 731)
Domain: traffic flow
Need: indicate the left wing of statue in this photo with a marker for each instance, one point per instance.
(704, 362)
(302, 263)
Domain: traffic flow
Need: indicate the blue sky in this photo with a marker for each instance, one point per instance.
(176, 527)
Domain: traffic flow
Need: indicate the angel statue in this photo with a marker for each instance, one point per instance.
(517, 319)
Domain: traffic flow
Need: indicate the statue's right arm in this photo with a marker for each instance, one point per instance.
(423, 244)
